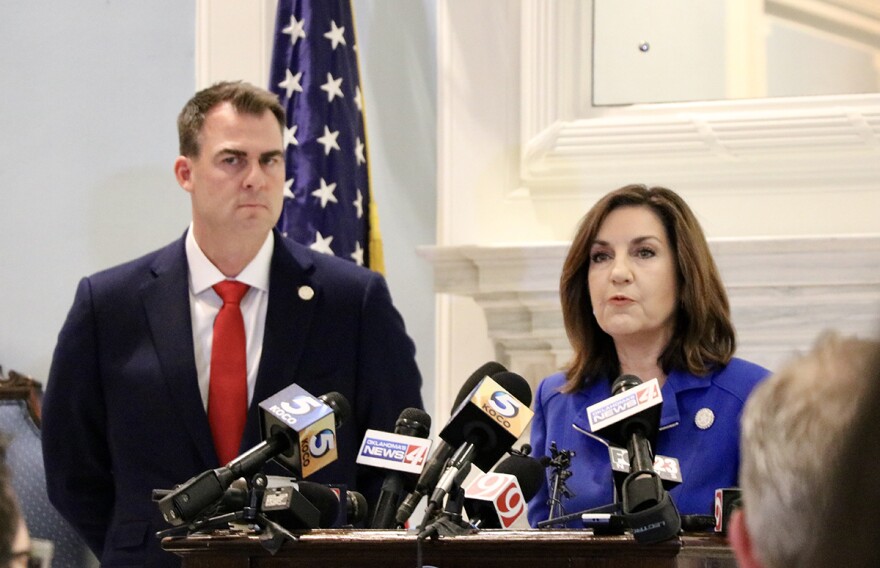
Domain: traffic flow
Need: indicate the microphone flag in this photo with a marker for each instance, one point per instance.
(294, 409)
(667, 468)
(727, 500)
(388, 450)
(496, 499)
(508, 416)
(608, 418)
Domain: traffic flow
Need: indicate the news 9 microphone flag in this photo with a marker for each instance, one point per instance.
(497, 500)
(293, 409)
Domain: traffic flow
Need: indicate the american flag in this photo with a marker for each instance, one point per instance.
(315, 74)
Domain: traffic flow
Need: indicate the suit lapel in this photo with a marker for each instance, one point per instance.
(166, 301)
(293, 297)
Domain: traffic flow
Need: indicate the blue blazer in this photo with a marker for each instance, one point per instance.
(123, 415)
(708, 455)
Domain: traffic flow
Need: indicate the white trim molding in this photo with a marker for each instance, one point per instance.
(570, 147)
(234, 41)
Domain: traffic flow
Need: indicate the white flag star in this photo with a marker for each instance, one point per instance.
(335, 35)
(325, 193)
(359, 151)
(333, 88)
(290, 136)
(329, 140)
(288, 191)
(359, 204)
(357, 99)
(322, 244)
(291, 82)
(296, 30)
(358, 254)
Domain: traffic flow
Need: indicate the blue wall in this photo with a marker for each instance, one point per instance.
(90, 93)
(397, 47)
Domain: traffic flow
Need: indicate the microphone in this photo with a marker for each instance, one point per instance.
(285, 502)
(635, 408)
(351, 506)
(498, 500)
(434, 468)
(305, 438)
(324, 500)
(727, 500)
(633, 404)
(412, 423)
(308, 423)
(236, 498)
(355, 507)
(484, 427)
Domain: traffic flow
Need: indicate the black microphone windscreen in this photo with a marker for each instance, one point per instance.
(528, 471)
(515, 385)
(414, 422)
(324, 499)
(235, 498)
(697, 522)
(339, 404)
(486, 370)
(624, 382)
(356, 507)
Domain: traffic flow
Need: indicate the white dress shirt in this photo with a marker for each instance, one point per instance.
(204, 304)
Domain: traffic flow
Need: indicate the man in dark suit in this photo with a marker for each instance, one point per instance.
(130, 390)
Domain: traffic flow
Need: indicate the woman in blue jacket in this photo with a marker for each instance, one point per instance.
(641, 295)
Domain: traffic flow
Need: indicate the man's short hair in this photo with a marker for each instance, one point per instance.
(792, 428)
(244, 97)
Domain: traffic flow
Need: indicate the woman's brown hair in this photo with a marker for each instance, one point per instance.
(703, 337)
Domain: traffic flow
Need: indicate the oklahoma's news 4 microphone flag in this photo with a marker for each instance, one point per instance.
(328, 204)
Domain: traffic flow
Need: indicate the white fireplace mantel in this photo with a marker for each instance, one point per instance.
(783, 291)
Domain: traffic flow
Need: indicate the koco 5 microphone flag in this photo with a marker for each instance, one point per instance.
(312, 423)
(492, 407)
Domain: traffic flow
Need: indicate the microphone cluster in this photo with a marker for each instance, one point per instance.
(299, 432)
(432, 471)
(491, 411)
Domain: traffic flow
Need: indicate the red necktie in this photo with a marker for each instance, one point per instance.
(227, 393)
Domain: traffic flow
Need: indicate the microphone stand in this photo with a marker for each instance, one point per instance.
(560, 461)
(449, 522)
(272, 535)
(613, 510)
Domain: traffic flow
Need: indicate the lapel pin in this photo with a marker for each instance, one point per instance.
(306, 293)
(704, 418)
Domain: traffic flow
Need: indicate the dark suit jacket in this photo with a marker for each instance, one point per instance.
(122, 413)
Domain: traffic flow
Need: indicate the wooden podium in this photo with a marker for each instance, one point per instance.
(487, 549)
